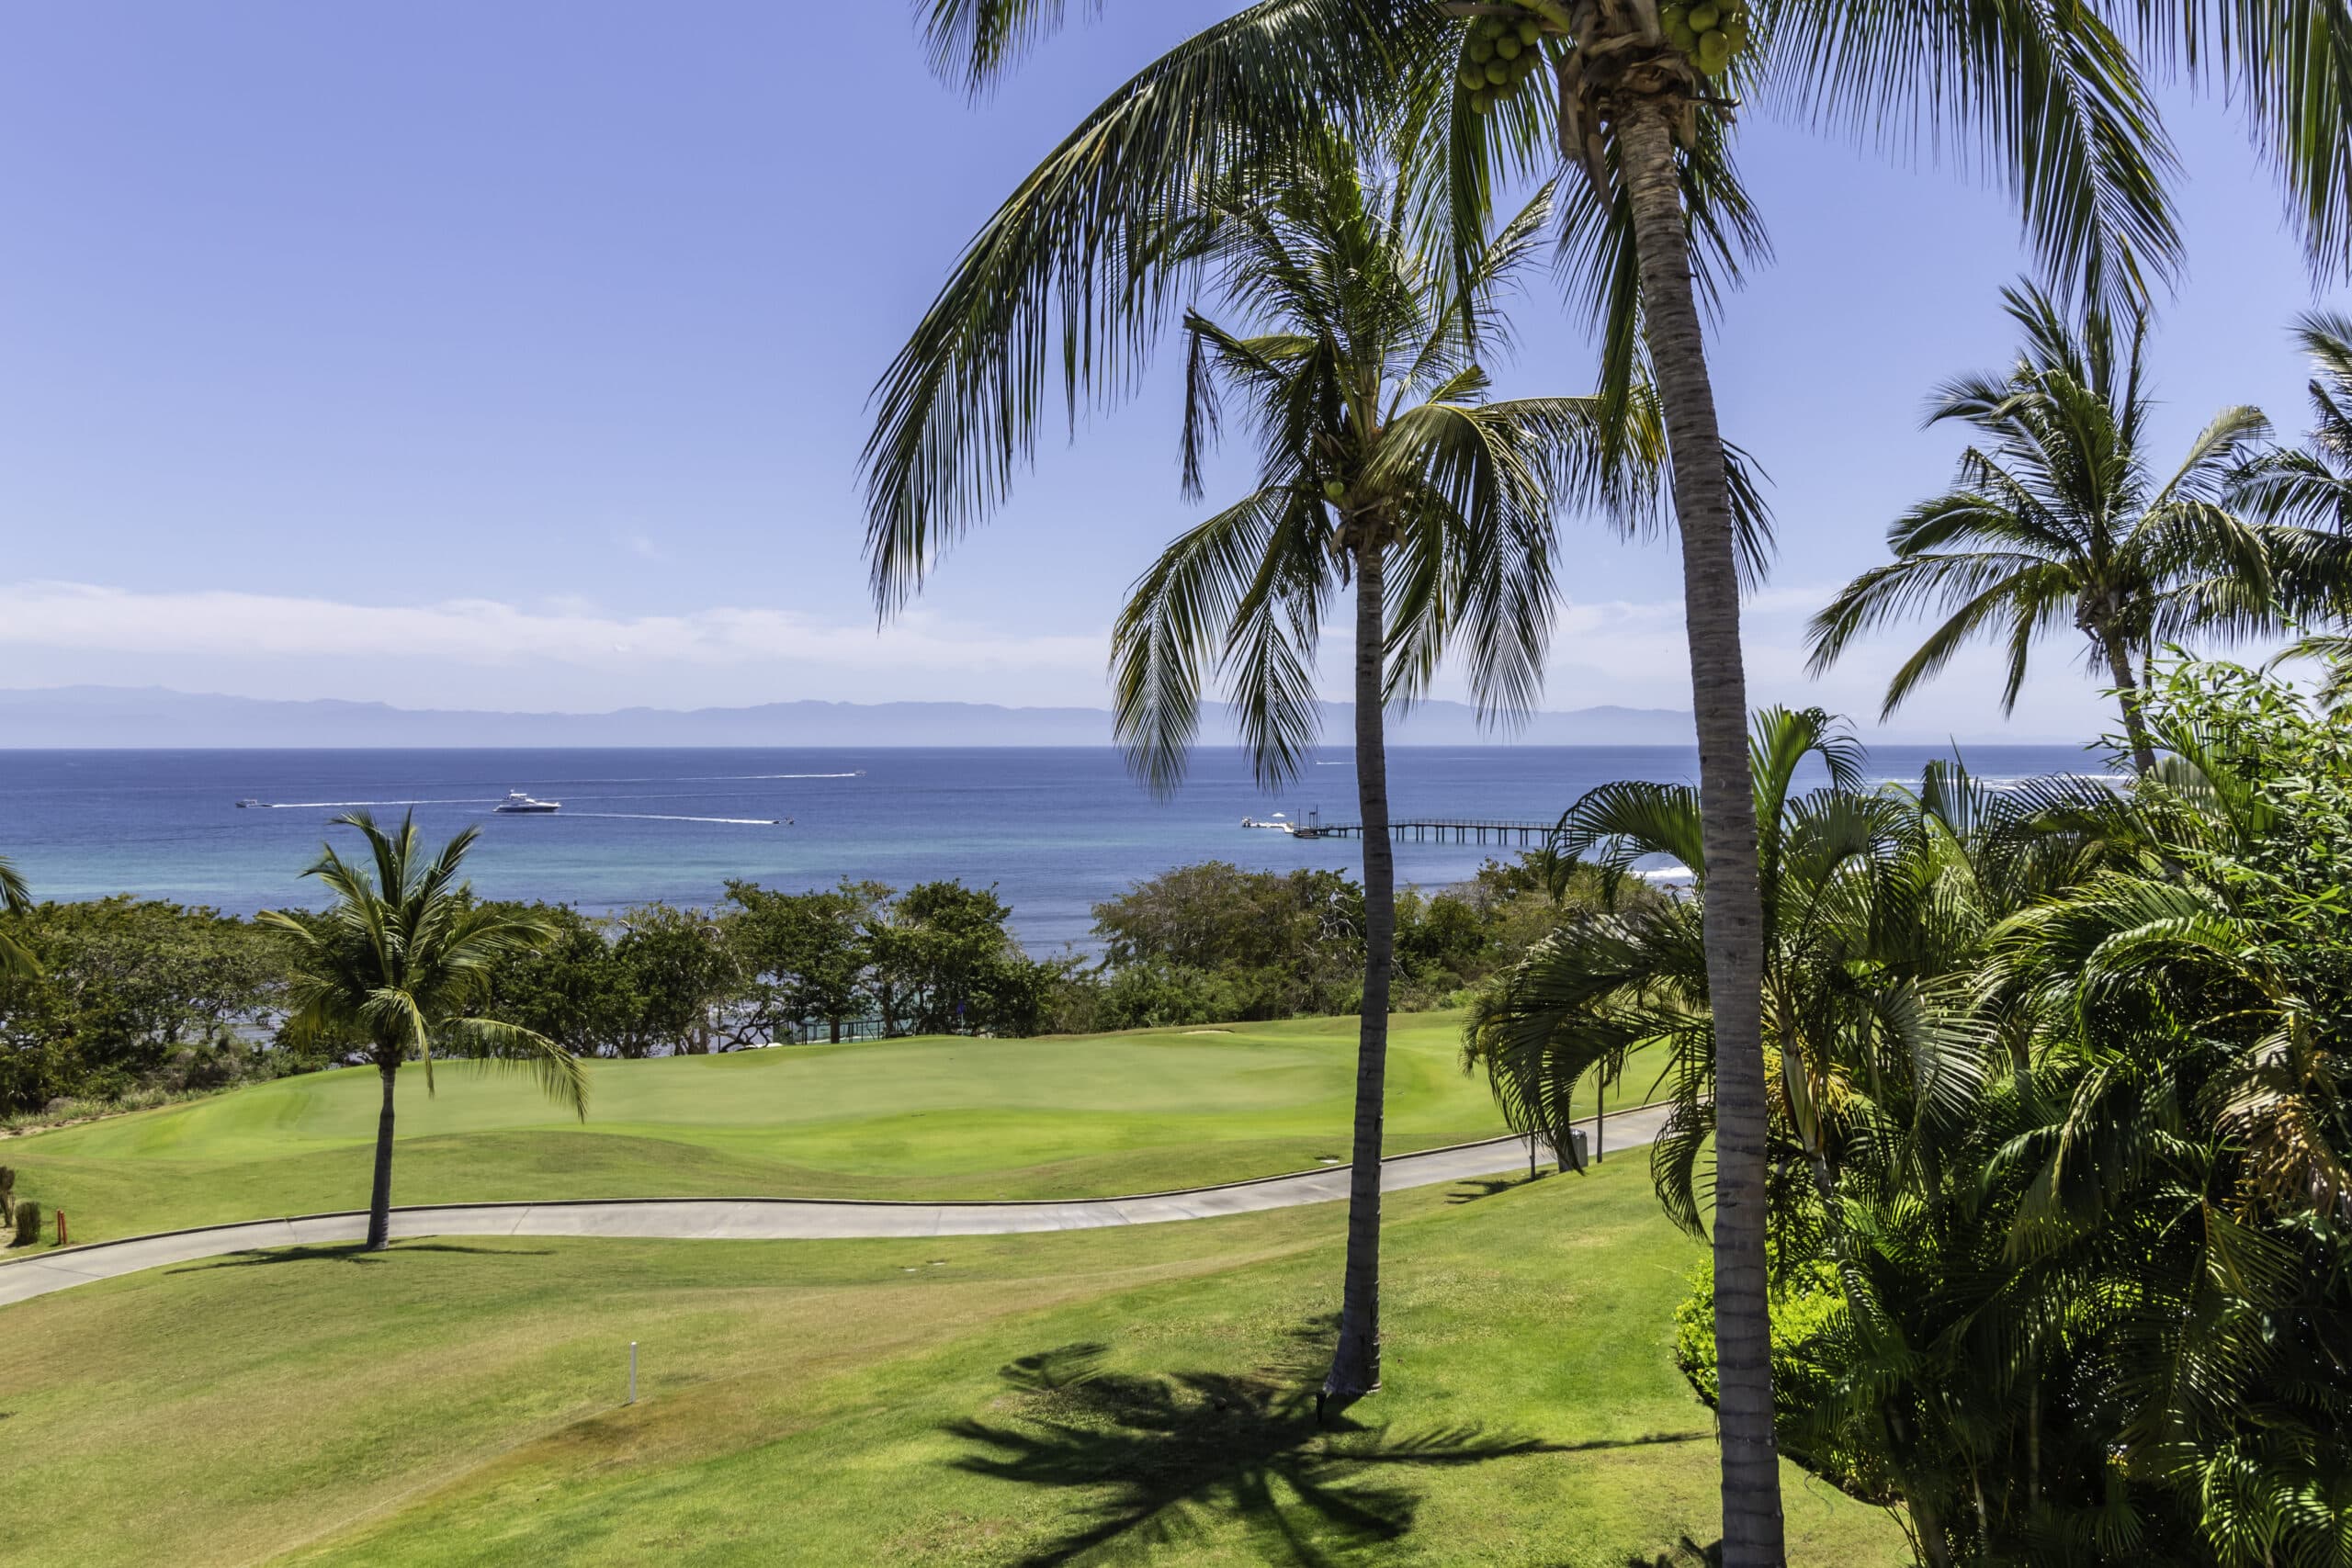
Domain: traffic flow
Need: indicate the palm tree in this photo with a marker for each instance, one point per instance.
(1054, 286)
(392, 967)
(1382, 465)
(16, 899)
(1861, 912)
(2057, 518)
(2309, 489)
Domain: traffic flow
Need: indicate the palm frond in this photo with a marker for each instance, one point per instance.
(1076, 275)
(2047, 99)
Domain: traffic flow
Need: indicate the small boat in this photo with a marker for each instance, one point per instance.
(517, 804)
(244, 804)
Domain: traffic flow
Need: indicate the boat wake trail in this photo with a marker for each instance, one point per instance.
(662, 817)
(859, 774)
(328, 805)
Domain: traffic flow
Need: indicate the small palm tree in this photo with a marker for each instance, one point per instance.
(2059, 520)
(1859, 907)
(1382, 465)
(393, 966)
(16, 899)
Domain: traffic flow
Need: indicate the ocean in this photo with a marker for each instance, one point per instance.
(1054, 831)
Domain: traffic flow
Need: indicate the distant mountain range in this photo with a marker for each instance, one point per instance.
(115, 717)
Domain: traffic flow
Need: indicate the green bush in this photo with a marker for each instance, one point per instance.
(1809, 1327)
(27, 1224)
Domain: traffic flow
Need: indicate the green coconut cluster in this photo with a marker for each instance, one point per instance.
(1713, 33)
(1499, 57)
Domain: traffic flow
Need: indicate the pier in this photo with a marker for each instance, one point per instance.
(1424, 830)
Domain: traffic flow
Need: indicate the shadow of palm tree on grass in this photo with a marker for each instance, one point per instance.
(339, 1252)
(1478, 1186)
(1162, 1456)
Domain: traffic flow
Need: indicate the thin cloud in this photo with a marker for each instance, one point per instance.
(489, 633)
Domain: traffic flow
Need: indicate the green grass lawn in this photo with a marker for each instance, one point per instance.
(975, 1401)
(933, 1118)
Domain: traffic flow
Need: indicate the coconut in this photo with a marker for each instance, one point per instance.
(1704, 16)
(1683, 38)
(1715, 52)
(1334, 491)
(1482, 103)
(1472, 76)
(1479, 51)
(1672, 16)
(1507, 47)
(1529, 32)
(1497, 72)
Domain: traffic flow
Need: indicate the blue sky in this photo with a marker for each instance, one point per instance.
(517, 356)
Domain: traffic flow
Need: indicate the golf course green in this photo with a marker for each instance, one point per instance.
(1118, 1397)
(937, 1118)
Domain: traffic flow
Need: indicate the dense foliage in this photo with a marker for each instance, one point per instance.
(126, 994)
(2061, 1148)
(1213, 943)
(125, 1002)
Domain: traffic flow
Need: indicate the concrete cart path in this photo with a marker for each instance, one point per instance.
(785, 1219)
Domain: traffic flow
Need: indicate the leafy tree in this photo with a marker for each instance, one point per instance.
(2051, 100)
(679, 970)
(1233, 944)
(394, 966)
(124, 993)
(803, 953)
(943, 962)
(569, 987)
(2059, 520)
(1441, 944)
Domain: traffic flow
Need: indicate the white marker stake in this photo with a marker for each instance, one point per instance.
(632, 1372)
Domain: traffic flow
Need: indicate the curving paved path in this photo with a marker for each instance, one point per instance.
(785, 1219)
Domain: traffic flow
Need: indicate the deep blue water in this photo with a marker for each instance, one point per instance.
(1056, 830)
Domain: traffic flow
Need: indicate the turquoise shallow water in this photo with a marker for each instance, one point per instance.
(1056, 830)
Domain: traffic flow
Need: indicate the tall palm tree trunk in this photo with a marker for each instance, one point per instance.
(380, 1200)
(1734, 905)
(1355, 1364)
(2128, 692)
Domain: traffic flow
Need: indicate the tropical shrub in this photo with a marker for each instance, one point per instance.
(27, 1218)
(2061, 1129)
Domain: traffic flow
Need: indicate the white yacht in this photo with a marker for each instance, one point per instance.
(517, 804)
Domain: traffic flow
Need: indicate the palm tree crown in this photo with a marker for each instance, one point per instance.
(402, 954)
(2058, 520)
(1357, 373)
